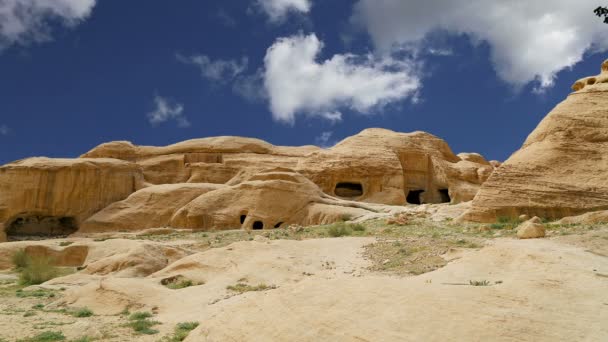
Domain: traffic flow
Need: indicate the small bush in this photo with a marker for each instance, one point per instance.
(83, 312)
(139, 316)
(36, 293)
(140, 323)
(47, 336)
(181, 331)
(37, 271)
(358, 227)
(20, 259)
(479, 283)
(338, 230)
(181, 284)
(65, 243)
(242, 288)
(144, 326)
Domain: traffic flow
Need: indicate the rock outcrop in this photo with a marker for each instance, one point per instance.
(232, 182)
(562, 168)
(43, 196)
(531, 229)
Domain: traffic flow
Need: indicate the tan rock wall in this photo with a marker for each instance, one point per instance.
(74, 188)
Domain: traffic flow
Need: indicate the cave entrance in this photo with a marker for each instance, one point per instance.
(349, 189)
(28, 227)
(445, 195)
(258, 225)
(413, 197)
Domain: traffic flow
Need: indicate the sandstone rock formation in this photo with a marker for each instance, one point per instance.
(531, 229)
(562, 168)
(232, 182)
(42, 196)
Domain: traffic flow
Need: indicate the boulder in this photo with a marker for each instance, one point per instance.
(531, 229)
(561, 169)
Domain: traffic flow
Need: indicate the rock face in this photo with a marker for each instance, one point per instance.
(42, 196)
(232, 182)
(562, 168)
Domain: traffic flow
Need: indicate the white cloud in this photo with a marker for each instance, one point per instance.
(323, 139)
(529, 39)
(25, 21)
(4, 130)
(277, 10)
(165, 111)
(296, 83)
(220, 70)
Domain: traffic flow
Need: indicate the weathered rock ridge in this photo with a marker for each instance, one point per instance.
(232, 182)
(562, 168)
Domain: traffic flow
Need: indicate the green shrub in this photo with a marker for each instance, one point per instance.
(338, 230)
(139, 316)
(357, 227)
(479, 283)
(20, 259)
(180, 284)
(83, 312)
(181, 332)
(36, 293)
(38, 270)
(47, 336)
(144, 326)
(242, 288)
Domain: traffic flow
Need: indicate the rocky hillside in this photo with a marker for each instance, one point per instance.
(232, 182)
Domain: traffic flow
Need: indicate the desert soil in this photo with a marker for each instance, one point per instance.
(386, 283)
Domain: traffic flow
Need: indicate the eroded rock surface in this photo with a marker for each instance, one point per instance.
(562, 168)
(231, 182)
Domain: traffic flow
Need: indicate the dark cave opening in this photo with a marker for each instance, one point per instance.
(29, 226)
(348, 189)
(258, 225)
(445, 195)
(413, 197)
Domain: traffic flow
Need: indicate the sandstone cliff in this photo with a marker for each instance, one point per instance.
(212, 183)
(562, 168)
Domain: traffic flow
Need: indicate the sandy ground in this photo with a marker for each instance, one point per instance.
(327, 289)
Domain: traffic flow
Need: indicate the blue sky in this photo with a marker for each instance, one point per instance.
(77, 73)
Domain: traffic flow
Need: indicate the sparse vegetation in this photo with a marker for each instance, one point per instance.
(479, 283)
(179, 282)
(82, 312)
(83, 339)
(140, 323)
(139, 316)
(34, 270)
(39, 293)
(47, 336)
(339, 229)
(358, 227)
(20, 259)
(65, 243)
(181, 332)
(242, 287)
